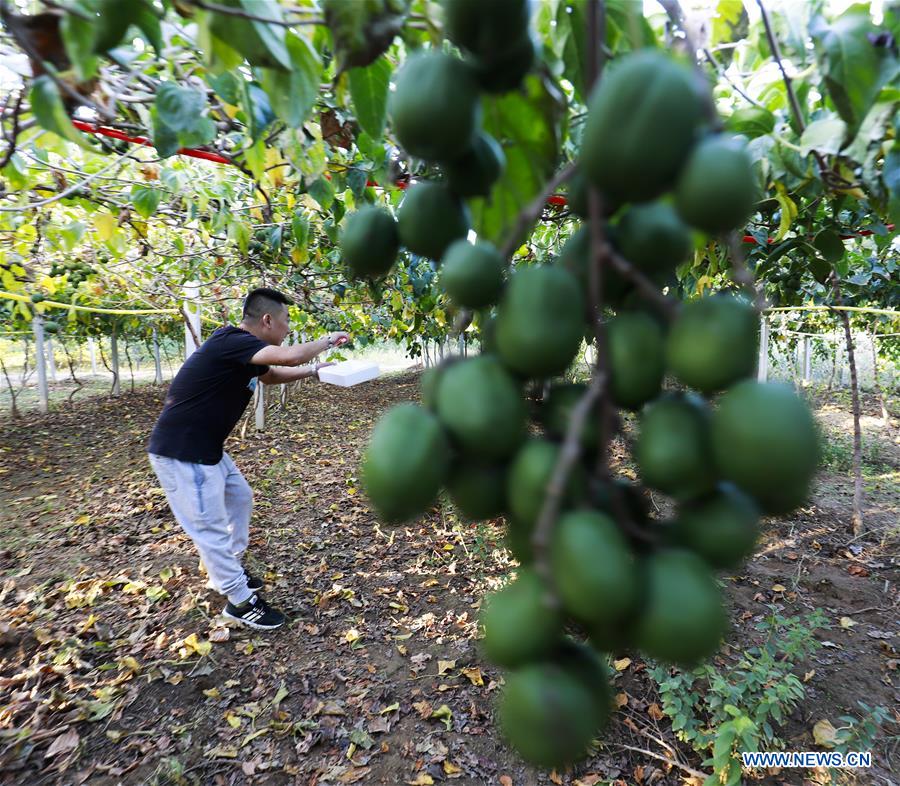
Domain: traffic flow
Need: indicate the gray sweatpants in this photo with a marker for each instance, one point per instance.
(212, 503)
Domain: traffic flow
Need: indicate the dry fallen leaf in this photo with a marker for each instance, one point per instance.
(554, 777)
(622, 664)
(474, 676)
(63, 744)
(846, 622)
(621, 699)
(505, 780)
(809, 675)
(445, 666)
(779, 588)
(655, 712)
(424, 779)
(219, 635)
(451, 769)
(825, 734)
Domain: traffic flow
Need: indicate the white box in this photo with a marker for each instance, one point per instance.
(349, 373)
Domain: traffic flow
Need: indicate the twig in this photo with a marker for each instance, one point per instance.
(229, 11)
(568, 455)
(12, 391)
(15, 132)
(741, 274)
(723, 73)
(673, 762)
(532, 212)
(825, 172)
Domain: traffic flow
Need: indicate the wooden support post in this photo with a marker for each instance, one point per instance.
(156, 358)
(807, 362)
(192, 309)
(51, 359)
(37, 325)
(260, 406)
(92, 350)
(763, 367)
(114, 351)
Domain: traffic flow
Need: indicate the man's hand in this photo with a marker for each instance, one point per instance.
(322, 365)
(338, 338)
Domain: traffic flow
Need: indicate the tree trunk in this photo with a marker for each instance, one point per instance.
(858, 523)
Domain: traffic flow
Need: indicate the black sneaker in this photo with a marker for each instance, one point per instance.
(255, 613)
(253, 582)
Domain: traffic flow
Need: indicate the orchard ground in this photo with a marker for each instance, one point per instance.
(114, 668)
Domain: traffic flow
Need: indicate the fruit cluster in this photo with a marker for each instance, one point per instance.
(723, 447)
(436, 116)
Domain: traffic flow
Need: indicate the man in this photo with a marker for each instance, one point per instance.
(207, 493)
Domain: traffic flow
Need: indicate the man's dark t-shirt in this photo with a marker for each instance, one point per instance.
(207, 397)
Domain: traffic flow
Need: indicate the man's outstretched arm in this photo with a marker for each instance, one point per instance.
(280, 375)
(298, 354)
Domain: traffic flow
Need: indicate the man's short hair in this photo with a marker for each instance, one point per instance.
(264, 301)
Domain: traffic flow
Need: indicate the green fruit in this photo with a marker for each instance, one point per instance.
(370, 242)
(641, 123)
(653, 238)
(578, 195)
(430, 218)
(472, 275)
(682, 620)
(673, 450)
(435, 108)
(488, 335)
(529, 477)
(518, 540)
(713, 343)
(547, 715)
(582, 662)
(575, 256)
(486, 29)
(478, 490)
(476, 172)
(593, 569)
(37, 297)
(722, 528)
(506, 72)
(51, 327)
(629, 499)
(540, 321)
(636, 358)
(717, 189)
(830, 245)
(557, 413)
(764, 440)
(480, 406)
(406, 462)
(520, 625)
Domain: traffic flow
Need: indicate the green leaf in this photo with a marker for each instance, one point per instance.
(261, 43)
(300, 228)
(78, 38)
(571, 20)
(293, 94)
(826, 136)
(853, 67)
(751, 121)
(369, 91)
(527, 125)
(48, 110)
(165, 140)
(179, 107)
(145, 200)
(726, 21)
(149, 24)
(255, 157)
(322, 192)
